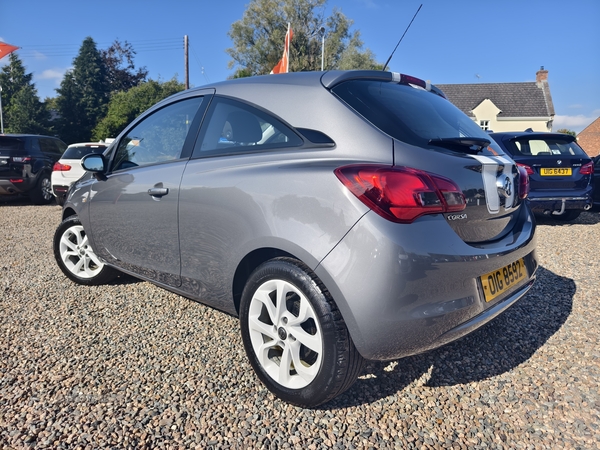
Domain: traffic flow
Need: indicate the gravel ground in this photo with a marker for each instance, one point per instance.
(130, 365)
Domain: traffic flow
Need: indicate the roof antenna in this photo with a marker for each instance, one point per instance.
(388, 61)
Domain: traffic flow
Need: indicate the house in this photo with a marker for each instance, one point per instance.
(505, 106)
(589, 138)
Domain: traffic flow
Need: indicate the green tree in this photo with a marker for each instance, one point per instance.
(83, 95)
(118, 59)
(27, 114)
(126, 106)
(566, 131)
(258, 38)
(22, 110)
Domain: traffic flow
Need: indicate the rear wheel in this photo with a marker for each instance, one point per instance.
(294, 334)
(42, 193)
(76, 258)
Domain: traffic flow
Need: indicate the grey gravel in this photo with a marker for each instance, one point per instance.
(130, 365)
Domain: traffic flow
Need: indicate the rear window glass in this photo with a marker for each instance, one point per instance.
(409, 114)
(9, 143)
(545, 147)
(80, 152)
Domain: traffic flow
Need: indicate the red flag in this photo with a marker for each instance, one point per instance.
(284, 63)
(6, 49)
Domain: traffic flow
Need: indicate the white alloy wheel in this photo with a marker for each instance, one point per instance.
(76, 254)
(285, 334)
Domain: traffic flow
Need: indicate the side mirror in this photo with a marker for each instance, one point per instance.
(93, 163)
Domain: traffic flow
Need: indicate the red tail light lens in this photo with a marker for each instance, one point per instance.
(587, 169)
(401, 194)
(523, 180)
(58, 167)
(528, 169)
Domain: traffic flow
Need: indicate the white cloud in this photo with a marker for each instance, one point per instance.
(576, 123)
(52, 74)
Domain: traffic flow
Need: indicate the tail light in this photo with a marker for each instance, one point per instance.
(528, 169)
(587, 169)
(523, 180)
(401, 194)
(58, 167)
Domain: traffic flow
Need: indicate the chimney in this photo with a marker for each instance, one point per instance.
(541, 76)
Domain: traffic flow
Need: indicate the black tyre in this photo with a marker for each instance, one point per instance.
(76, 258)
(60, 200)
(294, 334)
(42, 192)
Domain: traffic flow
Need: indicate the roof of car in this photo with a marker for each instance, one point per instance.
(530, 134)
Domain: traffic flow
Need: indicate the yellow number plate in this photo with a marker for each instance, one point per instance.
(556, 172)
(499, 281)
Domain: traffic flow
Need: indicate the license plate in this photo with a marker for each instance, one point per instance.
(556, 171)
(499, 281)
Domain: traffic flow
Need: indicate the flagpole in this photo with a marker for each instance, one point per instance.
(288, 39)
(1, 120)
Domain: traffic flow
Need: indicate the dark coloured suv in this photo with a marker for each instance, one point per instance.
(26, 162)
(560, 172)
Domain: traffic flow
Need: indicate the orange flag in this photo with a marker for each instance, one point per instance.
(283, 65)
(6, 49)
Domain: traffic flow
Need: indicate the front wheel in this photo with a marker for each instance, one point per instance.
(75, 256)
(295, 336)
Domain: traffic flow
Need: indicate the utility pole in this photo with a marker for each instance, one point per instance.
(186, 61)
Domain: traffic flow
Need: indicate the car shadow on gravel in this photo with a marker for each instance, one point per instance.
(496, 348)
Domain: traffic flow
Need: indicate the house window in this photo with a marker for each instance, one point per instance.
(484, 124)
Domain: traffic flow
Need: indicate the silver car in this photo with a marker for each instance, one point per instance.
(344, 216)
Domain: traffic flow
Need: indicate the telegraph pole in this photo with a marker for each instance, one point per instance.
(186, 61)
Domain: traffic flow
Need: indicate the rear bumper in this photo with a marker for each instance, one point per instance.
(556, 203)
(60, 191)
(8, 187)
(406, 289)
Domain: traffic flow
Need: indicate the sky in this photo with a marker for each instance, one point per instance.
(450, 41)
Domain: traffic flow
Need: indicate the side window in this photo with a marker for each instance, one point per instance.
(159, 137)
(233, 127)
(49, 147)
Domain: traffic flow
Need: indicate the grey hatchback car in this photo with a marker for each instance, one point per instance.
(344, 216)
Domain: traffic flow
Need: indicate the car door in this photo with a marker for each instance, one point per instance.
(133, 208)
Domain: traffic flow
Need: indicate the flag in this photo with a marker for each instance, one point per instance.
(6, 49)
(283, 65)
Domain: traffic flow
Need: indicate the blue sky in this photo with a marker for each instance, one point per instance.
(450, 41)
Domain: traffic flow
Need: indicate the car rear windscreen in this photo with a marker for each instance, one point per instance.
(10, 143)
(80, 152)
(545, 146)
(409, 114)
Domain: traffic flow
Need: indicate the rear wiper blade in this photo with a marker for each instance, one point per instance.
(471, 145)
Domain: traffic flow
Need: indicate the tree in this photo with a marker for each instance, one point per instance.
(258, 38)
(566, 131)
(126, 106)
(21, 107)
(118, 59)
(27, 114)
(83, 95)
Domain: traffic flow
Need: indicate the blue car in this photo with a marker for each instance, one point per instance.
(560, 172)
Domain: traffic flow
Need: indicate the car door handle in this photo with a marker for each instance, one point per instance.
(158, 192)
